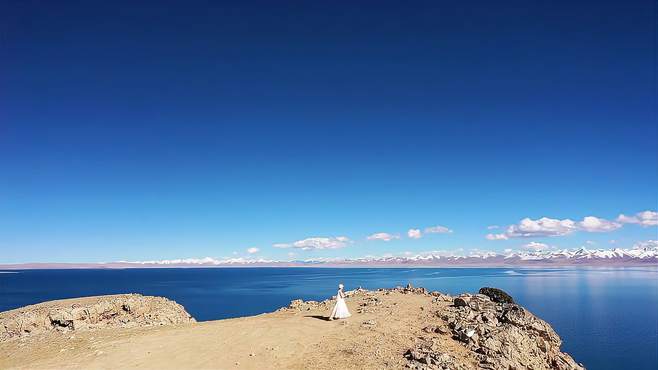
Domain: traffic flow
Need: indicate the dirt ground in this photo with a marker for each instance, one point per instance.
(375, 337)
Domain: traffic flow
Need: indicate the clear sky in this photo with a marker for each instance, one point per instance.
(172, 129)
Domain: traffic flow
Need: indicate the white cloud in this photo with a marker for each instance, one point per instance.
(597, 225)
(497, 237)
(535, 246)
(253, 250)
(646, 218)
(548, 227)
(544, 226)
(507, 250)
(646, 245)
(414, 233)
(291, 254)
(383, 236)
(590, 242)
(316, 243)
(438, 229)
(528, 228)
(492, 227)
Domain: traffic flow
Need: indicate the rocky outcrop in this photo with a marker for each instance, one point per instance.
(501, 335)
(301, 305)
(498, 333)
(126, 310)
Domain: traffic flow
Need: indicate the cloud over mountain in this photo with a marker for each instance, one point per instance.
(535, 246)
(549, 227)
(316, 243)
(597, 225)
(646, 218)
(646, 245)
(528, 228)
(383, 236)
(414, 234)
(438, 229)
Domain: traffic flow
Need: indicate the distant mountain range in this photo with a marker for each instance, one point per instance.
(639, 256)
(582, 257)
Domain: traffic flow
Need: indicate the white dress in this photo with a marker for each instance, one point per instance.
(340, 309)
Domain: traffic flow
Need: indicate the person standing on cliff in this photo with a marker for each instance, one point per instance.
(340, 310)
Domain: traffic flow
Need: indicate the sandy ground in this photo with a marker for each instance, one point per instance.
(289, 339)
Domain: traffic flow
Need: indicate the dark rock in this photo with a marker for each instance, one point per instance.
(496, 295)
(460, 302)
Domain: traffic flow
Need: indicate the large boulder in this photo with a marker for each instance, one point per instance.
(496, 295)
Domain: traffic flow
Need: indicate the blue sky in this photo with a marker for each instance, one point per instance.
(177, 129)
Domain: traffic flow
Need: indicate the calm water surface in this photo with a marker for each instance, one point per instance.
(607, 318)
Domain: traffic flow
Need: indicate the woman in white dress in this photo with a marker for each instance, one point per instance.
(340, 309)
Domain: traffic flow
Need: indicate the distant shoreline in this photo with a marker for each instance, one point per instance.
(112, 266)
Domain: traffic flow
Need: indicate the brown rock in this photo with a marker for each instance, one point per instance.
(126, 310)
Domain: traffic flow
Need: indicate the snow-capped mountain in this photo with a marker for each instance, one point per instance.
(643, 254)
(582, 256)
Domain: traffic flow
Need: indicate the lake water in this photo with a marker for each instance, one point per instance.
(607, 318)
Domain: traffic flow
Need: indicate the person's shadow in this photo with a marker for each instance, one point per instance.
(319, 317)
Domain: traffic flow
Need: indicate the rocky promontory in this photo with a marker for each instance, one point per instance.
(79, 314)
(403, 327)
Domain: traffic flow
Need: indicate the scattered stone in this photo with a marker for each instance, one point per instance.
(425, 358)
(300, 305)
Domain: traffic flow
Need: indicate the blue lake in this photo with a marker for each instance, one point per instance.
(607, 318)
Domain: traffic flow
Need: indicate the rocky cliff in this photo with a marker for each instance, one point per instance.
(499, 333)
(125, 310)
